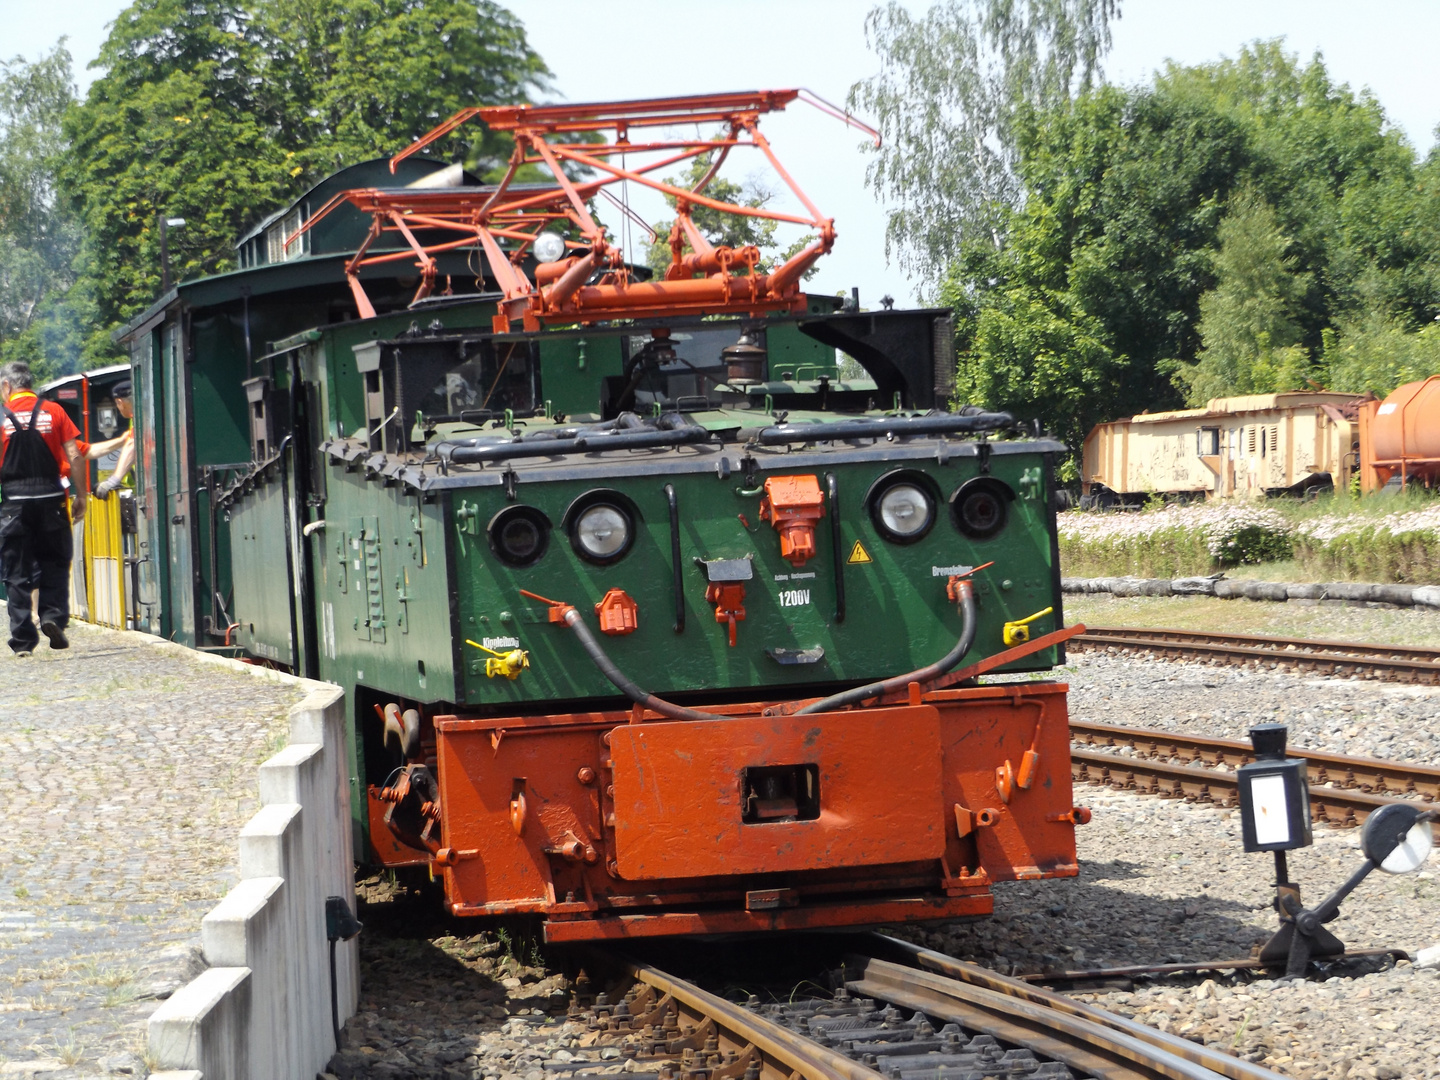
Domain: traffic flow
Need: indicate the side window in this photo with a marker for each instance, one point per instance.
(1207, 441)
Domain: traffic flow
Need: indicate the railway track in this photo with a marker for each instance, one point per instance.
(1394, 663)
(1343, 790)
(899, 1012)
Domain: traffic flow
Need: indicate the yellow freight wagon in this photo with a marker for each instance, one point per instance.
(1260, 444)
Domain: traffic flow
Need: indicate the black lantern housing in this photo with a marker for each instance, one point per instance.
(1274, 794)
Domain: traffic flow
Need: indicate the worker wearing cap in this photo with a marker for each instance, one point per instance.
(121, 392)
(35, 539)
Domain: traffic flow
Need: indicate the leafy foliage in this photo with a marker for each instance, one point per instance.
(1248, 323)
(951, 89)
(39, 240)
(1227, 228)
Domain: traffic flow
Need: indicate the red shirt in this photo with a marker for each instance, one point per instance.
(54, 425)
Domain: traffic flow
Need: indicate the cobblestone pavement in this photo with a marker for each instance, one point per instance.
(126, 772)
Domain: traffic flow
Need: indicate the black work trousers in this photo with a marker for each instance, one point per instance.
(35, 550)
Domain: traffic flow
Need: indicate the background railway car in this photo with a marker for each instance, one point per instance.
(1238, 447)
(1400, 437)
(649, 622)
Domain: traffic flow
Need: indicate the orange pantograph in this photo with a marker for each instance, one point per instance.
(592, 282)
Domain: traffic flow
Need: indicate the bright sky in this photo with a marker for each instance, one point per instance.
(621, 49)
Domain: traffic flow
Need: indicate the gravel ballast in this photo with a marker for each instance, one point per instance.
(1161, 882)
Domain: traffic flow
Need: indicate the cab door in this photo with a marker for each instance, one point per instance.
(152, 567)
(179, 496)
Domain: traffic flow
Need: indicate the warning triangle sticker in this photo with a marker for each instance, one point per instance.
(858, 554)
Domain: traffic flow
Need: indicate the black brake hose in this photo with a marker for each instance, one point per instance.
(625, 686)
(899, 682)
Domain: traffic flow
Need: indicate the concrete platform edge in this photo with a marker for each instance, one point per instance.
(262, 1012)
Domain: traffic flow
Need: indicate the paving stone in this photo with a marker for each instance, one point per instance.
(126, 772)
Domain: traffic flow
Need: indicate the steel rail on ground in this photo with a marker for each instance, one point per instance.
(1343, 790)
(1090, 1039)
(658, 1016)
(1396, 663)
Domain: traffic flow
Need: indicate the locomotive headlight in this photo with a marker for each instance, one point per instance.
(549, 247)
(602, 533)
(904, 512)
(519, 535)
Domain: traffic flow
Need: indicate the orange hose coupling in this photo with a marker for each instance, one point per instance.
(793, 504)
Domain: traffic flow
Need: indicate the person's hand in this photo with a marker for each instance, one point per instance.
(105, 487)
(77, 506)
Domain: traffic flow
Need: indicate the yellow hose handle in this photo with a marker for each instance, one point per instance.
(508, 664)
(1018, 631)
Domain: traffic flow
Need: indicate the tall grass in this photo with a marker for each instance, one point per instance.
(1383, 538)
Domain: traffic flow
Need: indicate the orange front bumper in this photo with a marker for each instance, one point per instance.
(616, 825)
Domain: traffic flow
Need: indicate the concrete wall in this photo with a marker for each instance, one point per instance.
(262, 1009)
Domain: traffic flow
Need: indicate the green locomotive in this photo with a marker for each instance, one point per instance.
(650, 620)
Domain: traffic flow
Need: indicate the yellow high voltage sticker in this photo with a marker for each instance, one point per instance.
(858, 554)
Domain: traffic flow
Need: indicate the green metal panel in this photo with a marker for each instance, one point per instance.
(898, 618)
(383, 602)
(259, 560)
(796, 356)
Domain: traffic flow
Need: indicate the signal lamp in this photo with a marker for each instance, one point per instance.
(549, 247)
(601, 533)
(1274, 794)
(519, 535)
(902, 513)
(980, 507)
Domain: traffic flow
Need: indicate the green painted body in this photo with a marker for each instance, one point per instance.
(402, 575)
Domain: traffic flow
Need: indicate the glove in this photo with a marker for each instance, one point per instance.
(105, 487)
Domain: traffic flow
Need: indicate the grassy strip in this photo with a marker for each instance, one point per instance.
(1388, 538)
(1398, 626)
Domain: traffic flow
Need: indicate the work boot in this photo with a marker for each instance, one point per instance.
(57, 637)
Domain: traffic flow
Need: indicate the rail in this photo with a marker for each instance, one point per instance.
(901, 1011)
(1397, 663)
(1343, 790)
(1095, 1041)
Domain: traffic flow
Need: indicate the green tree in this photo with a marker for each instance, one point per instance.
(1118, 239)
(950, 92)
(357, 79)
(39, 240)
(1249, 329)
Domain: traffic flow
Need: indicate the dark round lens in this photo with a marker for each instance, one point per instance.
(519, 535)
(981, 506)
(981, 512)
(520, 539)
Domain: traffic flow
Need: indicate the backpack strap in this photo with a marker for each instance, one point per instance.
(34, 412)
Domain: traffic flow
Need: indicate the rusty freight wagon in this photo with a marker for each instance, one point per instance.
(650, 621)
(1237, 447)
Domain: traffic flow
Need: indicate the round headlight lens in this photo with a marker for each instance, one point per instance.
(905, 511)
(981, 512)
(602, 532)
(549, 247)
